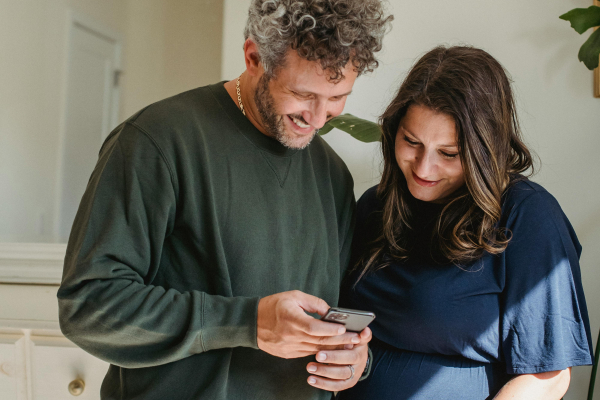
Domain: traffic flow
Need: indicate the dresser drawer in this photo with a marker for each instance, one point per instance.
(13, 383)
(60, 370)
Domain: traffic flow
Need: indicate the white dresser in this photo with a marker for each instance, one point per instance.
(36, 361)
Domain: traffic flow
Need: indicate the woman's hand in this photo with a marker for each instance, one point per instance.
(340, 369)
(544, 386)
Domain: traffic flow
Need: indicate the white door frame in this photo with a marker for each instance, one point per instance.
(81, 21)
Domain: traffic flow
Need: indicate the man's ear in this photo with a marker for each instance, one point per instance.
(252, 58)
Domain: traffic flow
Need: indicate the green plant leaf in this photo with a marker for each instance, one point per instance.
(583, 19)
(326, 128)
(589, 53)
(360, 129)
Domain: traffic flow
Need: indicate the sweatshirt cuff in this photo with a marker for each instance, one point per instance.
(228, 322)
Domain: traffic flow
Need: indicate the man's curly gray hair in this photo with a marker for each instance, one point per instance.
(332, 32)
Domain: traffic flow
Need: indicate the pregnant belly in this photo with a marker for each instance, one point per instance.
(399, 375)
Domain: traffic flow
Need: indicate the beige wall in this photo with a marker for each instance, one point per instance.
(144, 53)
(33, 44)
(169, 46)
(559, 115)
(235, 14)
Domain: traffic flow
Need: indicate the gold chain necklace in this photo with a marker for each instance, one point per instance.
(237, 87)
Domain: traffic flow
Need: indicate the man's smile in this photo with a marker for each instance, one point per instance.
(299, 126)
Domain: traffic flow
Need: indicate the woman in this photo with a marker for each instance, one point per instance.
(471, 269)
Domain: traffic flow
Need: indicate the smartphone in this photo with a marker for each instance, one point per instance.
(354, 320)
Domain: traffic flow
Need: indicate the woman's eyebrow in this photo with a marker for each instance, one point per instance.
(416, 137)
(409, 132)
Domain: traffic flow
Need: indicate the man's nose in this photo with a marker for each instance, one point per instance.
(317, 116)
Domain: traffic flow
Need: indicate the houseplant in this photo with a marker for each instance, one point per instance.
(581, 20)
(358, 128)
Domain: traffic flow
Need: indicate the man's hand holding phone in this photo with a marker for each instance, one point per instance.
(285, 330)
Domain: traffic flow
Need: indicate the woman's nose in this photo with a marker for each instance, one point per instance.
(424, 165)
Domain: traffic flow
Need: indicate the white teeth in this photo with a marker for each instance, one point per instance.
(299, 123)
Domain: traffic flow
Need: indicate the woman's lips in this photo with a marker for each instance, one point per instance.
(423, 182)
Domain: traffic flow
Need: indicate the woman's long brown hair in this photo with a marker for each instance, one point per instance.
(469, 85)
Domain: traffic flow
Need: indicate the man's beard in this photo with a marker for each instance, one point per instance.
(272, 122)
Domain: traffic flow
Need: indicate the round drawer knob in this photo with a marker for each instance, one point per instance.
(76, 387)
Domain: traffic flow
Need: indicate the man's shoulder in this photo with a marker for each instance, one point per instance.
(194, 106)
(329, 167)
(322, 152)
(194, 119)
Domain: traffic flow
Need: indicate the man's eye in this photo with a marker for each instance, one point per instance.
(301, 96)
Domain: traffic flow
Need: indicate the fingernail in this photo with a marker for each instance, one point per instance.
(312, 380)
(321, 356)
(355, 339)
(348, 346)
(341, 330)
(312, 368)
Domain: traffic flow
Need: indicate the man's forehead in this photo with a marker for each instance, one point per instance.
(334, 90)
(303, 84)
(292, 58)
(307, 76)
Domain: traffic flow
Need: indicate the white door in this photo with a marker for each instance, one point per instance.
(90, 114)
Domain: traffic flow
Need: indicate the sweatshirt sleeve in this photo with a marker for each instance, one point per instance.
(107, 303)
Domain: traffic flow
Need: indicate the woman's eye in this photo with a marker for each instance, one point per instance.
(448, 155)
(411, 142)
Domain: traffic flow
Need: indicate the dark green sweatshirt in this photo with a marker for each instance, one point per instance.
(189, 218)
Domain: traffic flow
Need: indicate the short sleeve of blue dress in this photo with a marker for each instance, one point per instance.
(544, 317)
(444, 331)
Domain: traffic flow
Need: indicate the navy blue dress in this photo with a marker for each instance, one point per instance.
(449, 332)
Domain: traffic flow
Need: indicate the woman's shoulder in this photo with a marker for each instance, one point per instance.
(368, 206)
(530, 208)
(523, 194)
(369, 200)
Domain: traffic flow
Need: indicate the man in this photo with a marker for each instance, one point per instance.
(210, 228)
